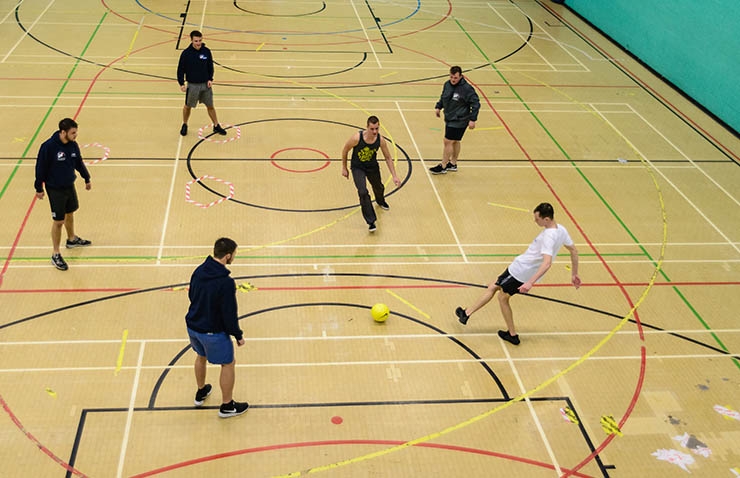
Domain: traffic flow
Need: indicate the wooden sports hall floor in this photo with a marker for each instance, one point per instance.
(631, 375)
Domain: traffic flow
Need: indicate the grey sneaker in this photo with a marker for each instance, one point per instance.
(451, 167)
(77, 242)
(59, 262)
(232, 409)
(438, 169)
(201, 394)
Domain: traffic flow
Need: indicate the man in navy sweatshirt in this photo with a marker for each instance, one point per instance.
(58, 158)
(211, 320)
(196, 66)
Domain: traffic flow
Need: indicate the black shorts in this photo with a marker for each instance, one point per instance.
(508, 284)
(454, 134)
(62, 201)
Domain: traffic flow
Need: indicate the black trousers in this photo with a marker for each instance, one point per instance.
(361, 178)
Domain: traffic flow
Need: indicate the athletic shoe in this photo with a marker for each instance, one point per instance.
(58, 262)
(232, 409)
(218, 129)
(77, 242)
(201, 394)
(184, 130)
(384, 206)
(505, 335)
(451, 167)
(438, 169)
(372, 227)
(462, 317)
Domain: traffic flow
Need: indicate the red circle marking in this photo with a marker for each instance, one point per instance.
(274, 163)
(336, 420)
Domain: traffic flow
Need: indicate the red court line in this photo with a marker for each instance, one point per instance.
(16, 240)
(285, 446)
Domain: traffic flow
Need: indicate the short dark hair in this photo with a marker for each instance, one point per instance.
(545, 210)
(195, 33)
(223, 246)
(373, 120)
(67, 124)
(455, 69)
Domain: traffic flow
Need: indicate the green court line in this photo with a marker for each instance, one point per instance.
(266, 95)
(595, 191)
(53, 103)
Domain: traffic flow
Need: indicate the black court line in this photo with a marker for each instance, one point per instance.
(184, 16)
(379, 26)
(323, 7)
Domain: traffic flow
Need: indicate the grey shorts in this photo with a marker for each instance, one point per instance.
(198, 92)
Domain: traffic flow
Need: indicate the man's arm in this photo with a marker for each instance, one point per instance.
(389, 161)
(474, 103)
(181, 70)
(351, 143)
(230, 312)
(544, 267)
(42, 167)
(575, 280)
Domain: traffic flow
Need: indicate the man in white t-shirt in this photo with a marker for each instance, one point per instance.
(527, 269)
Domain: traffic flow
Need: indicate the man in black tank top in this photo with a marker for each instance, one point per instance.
(365, 168)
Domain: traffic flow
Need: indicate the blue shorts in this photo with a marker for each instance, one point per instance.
(217, 348)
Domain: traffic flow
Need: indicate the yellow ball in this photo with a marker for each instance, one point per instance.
(380, 312)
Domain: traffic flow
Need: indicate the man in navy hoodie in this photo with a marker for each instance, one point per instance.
(58, 158)
(196, 66)
(211, 320)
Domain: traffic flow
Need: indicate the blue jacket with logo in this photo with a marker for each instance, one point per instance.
(212, 296)
(195, 65)
(56, 164)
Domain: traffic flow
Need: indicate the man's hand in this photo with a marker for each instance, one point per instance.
(210, 83)
(88, 185)
(436, 112)
(471, 124)
(576, 281)
(240, 342)
(183, 88)
(40, 195)
(526, 287)
(396, 181)
(345, 172)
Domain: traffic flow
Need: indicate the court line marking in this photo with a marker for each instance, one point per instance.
(28, 30)
(130, 413)
(379, 363)
(10, 12)
(166, 219)
(372, 48)
(538, 424)
(203, 15)
(434, 187)
(530, 45)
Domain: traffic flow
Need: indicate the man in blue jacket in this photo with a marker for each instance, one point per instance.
(58, 158)
(211, 321)
(461, 105)
(196, 67)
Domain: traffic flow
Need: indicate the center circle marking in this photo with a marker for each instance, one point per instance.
(323, 166)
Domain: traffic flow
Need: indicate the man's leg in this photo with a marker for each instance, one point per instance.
(376, 182)
(186, 114)
(366, 204)
(448, 151)
(212, 114)
(503, 302)
(484, 299)
(455, 146)
(226, 381)
(69, 225)
(200, 371)
(56, 234)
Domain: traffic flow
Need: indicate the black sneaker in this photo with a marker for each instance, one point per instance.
(201, 394)
(184, 130)
(218, 129)
(461, 315)
(505, 335)
(232, 409)
(451, 167)
(371, 227)
(384, 206)
(59, 262)
(438, 169)
(77, 242)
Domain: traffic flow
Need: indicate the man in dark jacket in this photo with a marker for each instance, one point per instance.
(196, 67)
(211, 321)
(461, 105)
(58, 158)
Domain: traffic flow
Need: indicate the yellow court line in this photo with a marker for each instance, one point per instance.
(426, 316)
(260, 47)
(508, 207)
(133, 40)
(389, 74)
(119, 361)
(491, 128)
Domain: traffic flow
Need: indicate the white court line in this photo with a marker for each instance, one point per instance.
(366, 35)
(585, 68)
(169, 202)
(203, 15)
(12, 9)
(130, 414)
(529, 44)
(434, 187)
(676, 188)
(28, 30)
(377, 363)
(685, 156)
(536, 419)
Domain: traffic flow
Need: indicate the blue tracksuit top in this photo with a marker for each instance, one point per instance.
(212, 296)
(195, 66)
(56, 164)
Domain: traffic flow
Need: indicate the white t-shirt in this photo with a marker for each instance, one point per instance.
(549, 242)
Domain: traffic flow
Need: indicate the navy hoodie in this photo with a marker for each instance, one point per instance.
(56, 164)
(213, 300)
(195, 66)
